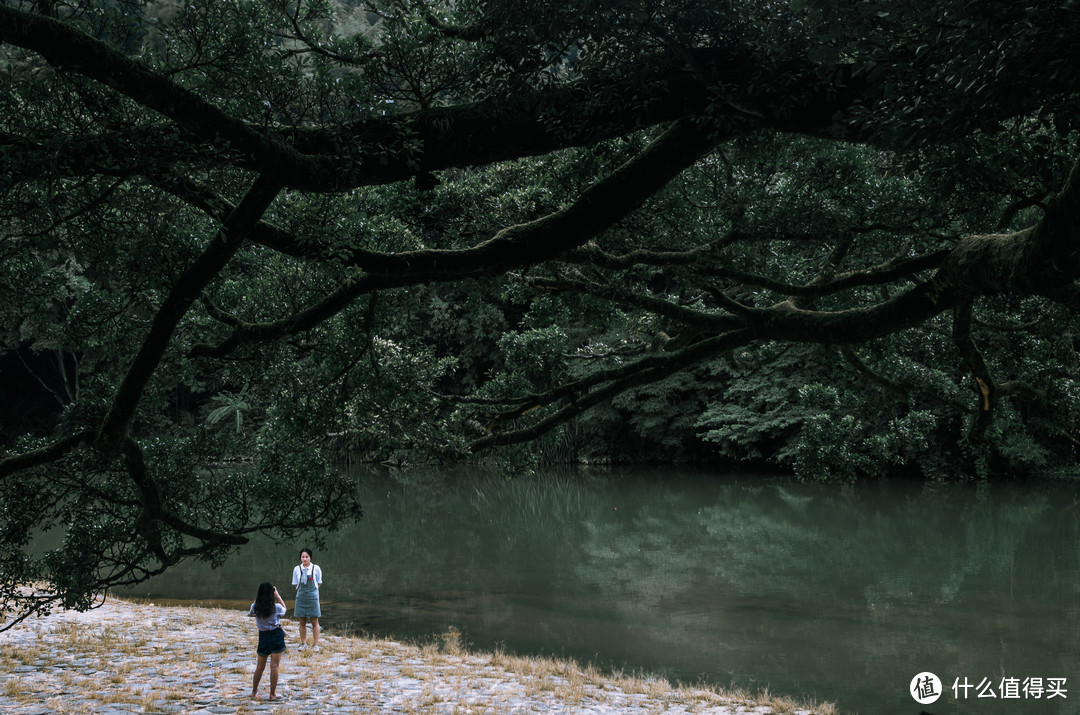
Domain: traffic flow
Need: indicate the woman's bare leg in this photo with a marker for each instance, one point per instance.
(275, 663)
(303, 632)
(259, 666)
(314, 632)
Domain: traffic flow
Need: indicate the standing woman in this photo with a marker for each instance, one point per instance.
(307, 578)
(271, 636)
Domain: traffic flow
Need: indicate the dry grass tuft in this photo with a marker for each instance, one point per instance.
(13, 690)
(453, 642)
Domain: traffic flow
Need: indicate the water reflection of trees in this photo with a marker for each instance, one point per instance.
(889, 572)
(646, 538)
(899, 546)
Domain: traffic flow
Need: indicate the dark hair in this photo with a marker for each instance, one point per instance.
(310, 555)
(264, 601)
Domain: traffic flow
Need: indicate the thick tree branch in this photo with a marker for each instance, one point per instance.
(383, 149)
(707, 263)
(626, 296)
(592, 390)
(184, 292)
(1016, 207)
(596, 209)
(50, 453)
(68, 49)
(592, 254)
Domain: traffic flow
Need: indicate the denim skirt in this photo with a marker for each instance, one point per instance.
(271, 642)
(307, 602)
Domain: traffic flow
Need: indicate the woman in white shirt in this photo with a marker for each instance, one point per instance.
(307, 578)
(271, 637)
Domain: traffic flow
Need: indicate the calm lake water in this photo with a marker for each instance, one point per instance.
(842, 595)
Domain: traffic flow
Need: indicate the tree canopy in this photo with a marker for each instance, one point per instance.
(242, 237)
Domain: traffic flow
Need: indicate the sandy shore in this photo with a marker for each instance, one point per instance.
(129, 657)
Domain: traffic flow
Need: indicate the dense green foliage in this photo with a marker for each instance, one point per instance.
(241, 241)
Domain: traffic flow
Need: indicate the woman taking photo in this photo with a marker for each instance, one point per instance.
(271, 637)
(307, 578)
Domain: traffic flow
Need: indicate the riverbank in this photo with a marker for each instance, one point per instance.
(130, 657)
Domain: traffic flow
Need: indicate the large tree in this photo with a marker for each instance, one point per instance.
(218, 220)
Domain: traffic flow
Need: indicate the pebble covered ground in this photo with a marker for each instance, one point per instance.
(132, 658)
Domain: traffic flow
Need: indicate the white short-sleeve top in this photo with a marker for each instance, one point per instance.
(301, 573)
